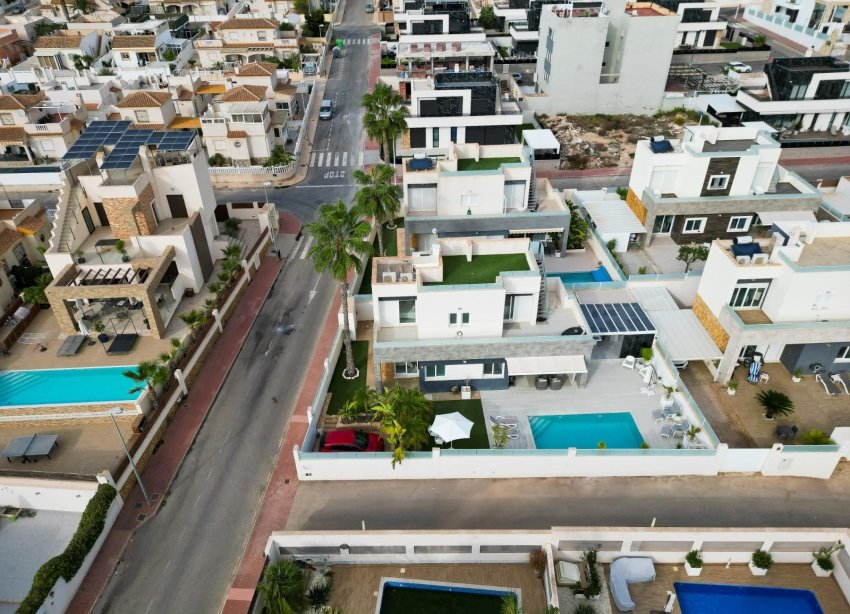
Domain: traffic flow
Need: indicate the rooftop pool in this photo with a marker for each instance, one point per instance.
(424, 597)
(64, 386)
(577, 277)
(585, 431)
(728, 599)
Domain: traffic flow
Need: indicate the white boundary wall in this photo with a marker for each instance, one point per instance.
(46, 494)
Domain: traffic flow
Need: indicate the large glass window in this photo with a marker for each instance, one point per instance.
(739, 223)
(843, 354)
(694, 225)
(749, 295)
(493, 368)
(406, 368)
(407, 311)
(432, 371)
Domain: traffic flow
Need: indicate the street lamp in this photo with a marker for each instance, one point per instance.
(266, 190)
(112, 413)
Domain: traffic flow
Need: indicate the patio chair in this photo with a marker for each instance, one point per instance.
(509, 421)
(513, 432)
(764, 377)
(839, 381)
(828, 386)
(658, 416)
(671, 411)
(629, 362)
(844, 377)
(667, 431)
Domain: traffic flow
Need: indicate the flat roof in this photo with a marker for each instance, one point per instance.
(826, 251)
(721, 103)
(614, 216)
(541, 139)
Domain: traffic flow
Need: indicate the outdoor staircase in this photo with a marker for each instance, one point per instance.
(62, 237)
(533, 202)
(771, 188)
(543, 301)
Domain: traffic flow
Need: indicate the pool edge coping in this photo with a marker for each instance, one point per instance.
(386, 579)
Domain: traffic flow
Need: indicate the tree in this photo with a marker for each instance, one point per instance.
(312, 22)
(81, 62)
(35, 293)
(283, 588)
(578, 227)
(487, 17)
(147, 375)
(278, 157)
(84, 6)
(379, 198)
(341, 243)
(302, 7)
(194, 320)
(167, 358)
(691, 253)
(775, 403)
(384, 118)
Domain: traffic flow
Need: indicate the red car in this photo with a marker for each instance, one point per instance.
(350, 440)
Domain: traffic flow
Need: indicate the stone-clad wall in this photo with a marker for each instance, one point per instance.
(130, 217)
(44, 416)
(636, 206)
(711, 324)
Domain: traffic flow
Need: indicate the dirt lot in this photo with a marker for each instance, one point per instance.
(602, 141)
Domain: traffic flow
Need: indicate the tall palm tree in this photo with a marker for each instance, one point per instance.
(167, 358)
(379, 198)
(283, 588)
(341, 242)
(147, 375)
(194, 320)
(385, 117)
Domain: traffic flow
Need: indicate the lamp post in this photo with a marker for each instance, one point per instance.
(112, 413)
(266, 190)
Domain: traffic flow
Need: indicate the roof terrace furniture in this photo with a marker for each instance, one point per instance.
(122, 344)
(30, 447)
(71, 345)
(625, 571)
(830, 388)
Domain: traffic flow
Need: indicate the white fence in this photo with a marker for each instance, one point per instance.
(41, 494)
(254, 170)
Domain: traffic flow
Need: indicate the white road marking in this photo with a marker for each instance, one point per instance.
(306, 248)
(336, 160)
(195, 506)
(360, 159)
(313, 159)
(345, 158)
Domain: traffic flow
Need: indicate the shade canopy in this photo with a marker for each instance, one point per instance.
(544, 365)
(617, 319)
(614, 216)
(449, 427)
(769, 217)
(541, 139)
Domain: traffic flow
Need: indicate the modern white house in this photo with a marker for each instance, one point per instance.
(608, 58)
(715, 183)
(138, 45)
(818, 26)
(701, 26)
(784, 293)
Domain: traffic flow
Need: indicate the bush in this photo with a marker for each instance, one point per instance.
(594, 582)
(762, 559)
(487, 17)
(285, 26)
(694, 559)
(217, 160)
(817, 437)
(584, 608)
(67, 564)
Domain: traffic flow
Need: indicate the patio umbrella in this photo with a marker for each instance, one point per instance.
(84, 330)
(449, 427)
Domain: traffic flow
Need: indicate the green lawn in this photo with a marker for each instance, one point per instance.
(731, 45)
(472, 410)
(341, 389)
(397, 600)
(481, 269)
(519, 130)
(484, 164)
(391, 249)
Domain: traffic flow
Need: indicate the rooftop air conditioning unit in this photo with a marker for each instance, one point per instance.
(406, 277)
(388, 277)
(760, 258)
(742, 259)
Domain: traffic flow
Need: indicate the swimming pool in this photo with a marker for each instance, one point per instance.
(585, 431)
(575, 277)
(58, 386)
(402, 597)
(728, 599)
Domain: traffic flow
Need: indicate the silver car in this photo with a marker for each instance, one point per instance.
(326, 109)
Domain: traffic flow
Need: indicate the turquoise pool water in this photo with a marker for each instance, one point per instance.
(585, 431)
(600, 274)
(727, 599)
(55, 386)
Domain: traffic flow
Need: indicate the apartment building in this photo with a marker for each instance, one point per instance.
(479, 191)
(139, 45)
(210, 8)
(715, 183)
(418, 17)
(24, 228)
(151, 190)
(147, 109)
(245, 39)
(819, 26)
(62, 48)
(34, 127)
(785, 294)
(624, 50)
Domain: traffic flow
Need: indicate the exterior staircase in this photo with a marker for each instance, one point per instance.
(533, 202)
(543, 301)
(62, 238)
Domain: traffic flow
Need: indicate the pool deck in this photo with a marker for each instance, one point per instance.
(652, 596)
(356, 586)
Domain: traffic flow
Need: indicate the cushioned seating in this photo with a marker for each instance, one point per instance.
(567, 574)
(747, 249)
(625, 571)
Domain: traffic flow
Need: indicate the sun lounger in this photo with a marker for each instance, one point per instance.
(122, 344)
(513, 432)
(839, 381)
(658, 416)
(71, 345)
(625, 571)
(830, 388)
(504, 420)
(667, 431)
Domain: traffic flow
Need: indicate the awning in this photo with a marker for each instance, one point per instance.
(185, 122)
(211, 89)
(542, 365)
(614, 216)
(721, 103)
(617, 319)
(769, 217)
(683, 336)
(541, 139)
(653, 298)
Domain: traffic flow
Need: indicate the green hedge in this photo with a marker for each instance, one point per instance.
(67, 564)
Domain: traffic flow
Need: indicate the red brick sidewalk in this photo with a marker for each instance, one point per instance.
(163, 466)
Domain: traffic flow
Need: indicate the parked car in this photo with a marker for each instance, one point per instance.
(517, 76)
(349, 440)
(740, 67)
(370, 8)
(326, 109)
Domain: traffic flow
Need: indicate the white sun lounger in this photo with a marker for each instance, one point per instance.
(838, 380)
(509, 421)
(830, 388)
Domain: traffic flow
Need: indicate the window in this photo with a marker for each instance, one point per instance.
(432, 371)
(739, 223)
(749, 295)
(407, 311)
(747, 352)
(493, 368)
(453, 318)
(232, 36)
(718, 182)
(406, 368)
(468, 201)
(125, 56)
(142, 116)
(435, 137)
(7, 120)
(261, 36)
(20, 253)
(843, 354)
(694, 225)
(798, 92)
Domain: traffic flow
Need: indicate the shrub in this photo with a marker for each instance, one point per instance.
(67, 564)
(762, 559)
(775, 403)
(537, 561)
(217, 160)
(584, 608)
(694, 559)
(487, 17)
(285, 26)
(594, 581)
(816, 437)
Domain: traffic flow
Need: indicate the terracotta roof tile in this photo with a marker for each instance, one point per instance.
(249, 24)
(15, 102)
(11, 134)
(137, 126)
(133, 42)
(32, 223)
(8, 238)
(286, 88)
(143, 100)
(258, 69)
(114, 117)
(245, 93)
(185, 95)
(92, 106)
(59, 41)
(236, 134)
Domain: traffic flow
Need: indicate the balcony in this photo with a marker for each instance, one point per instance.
(50, 124)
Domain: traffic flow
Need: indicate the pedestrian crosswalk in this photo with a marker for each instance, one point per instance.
(355, 41)
(338, 159)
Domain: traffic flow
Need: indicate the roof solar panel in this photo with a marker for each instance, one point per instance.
(126, 142)
(617, 318)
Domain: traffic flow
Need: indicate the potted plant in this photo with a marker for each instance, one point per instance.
(99, 327)
(80, 256)
(646, 355)
(668, 391)
(693, 563)
(500, 435)
(121, 248)
(692, 433)
(797, 377)
(775, 404)
(823, 565)
(537, 561)
(760, 562)
(731, 388)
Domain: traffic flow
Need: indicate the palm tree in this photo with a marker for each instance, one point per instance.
(775, 403)
(167, 358)
(510, 604)
(283, 588)
(341, 243)
(379, 198)
(147, 375)
(194, 320)
(385, 117)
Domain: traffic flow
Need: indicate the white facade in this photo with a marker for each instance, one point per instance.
(700, 34)
(818, 27)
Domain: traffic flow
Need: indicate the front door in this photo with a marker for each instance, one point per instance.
(177, 205)
(101, 214)
(87, 219)
(663, 224)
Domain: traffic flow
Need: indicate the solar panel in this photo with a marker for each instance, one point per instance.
(617, 318)
(96, 135)
(126, 142)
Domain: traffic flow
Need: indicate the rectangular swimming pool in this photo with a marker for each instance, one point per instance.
(575, 277)
(401, 597)
(585, 431)
(728, 599)
(59, 386)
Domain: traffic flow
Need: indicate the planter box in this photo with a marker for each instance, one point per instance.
(692, 571)
(756, 571)
(820, 573)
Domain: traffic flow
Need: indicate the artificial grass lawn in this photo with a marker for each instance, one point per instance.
(391, 249)
(484, 164)
(519, 130)
(418, 601)
(471, 410)
(341, 389)
(481, 269)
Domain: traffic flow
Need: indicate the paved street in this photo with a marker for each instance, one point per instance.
(542, 503)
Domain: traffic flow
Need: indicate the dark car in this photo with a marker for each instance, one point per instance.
(349, 440)
(370, 8)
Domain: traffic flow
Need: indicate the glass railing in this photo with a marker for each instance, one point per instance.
(793, 448)
(802, 324)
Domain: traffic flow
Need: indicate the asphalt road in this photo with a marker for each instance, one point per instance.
(726, 501)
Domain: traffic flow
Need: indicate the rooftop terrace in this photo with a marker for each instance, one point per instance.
(481, 269)
(485, 164)
(826, 251)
